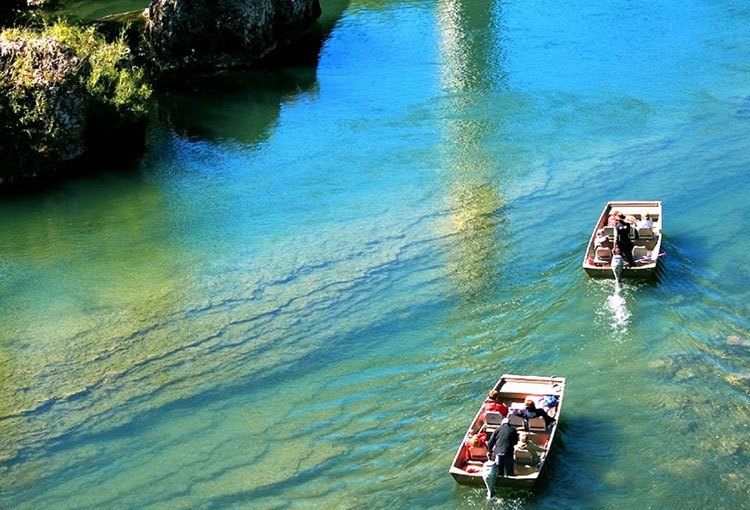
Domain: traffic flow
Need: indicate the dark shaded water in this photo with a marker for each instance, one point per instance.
(298, 297)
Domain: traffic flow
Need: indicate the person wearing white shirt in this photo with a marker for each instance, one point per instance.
(645, 222)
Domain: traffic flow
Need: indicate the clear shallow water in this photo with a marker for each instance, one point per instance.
(299, 295)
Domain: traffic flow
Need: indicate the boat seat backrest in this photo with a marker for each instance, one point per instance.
(645, 232)
(640, 252)
(523, 457)
(603, 253)
(493, 418)
(515, 420)
(478, 453)
(610, 231)
(537, 424)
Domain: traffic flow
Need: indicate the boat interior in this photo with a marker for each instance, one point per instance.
(528, 457)
(646, 241)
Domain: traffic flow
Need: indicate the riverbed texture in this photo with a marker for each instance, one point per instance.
(299, 295)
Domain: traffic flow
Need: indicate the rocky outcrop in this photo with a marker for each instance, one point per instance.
(42, 98)
(225, 34)
(65, 92)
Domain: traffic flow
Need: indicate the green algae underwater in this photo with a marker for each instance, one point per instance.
(299, 295)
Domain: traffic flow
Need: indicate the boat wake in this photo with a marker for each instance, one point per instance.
(615, 310)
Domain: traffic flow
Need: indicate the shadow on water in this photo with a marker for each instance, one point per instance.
(95, 165)
(235, 105)
(240, 105)
(244, 105)
(91, 10)
(567, 473)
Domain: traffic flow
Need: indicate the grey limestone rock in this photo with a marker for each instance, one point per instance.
(230, 33)
(42, 113)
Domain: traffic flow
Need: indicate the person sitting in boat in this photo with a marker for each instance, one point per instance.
(612, 219)
(475, 442)
(645, 222)
(493, 404)
(525, 445)
(531, 411)
(602, 240)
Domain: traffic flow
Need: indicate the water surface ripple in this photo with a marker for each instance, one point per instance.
(298, 296)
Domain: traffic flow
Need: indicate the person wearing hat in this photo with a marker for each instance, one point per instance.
(622, 232)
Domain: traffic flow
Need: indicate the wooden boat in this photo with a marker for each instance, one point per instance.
(514, 391)
(647, 242)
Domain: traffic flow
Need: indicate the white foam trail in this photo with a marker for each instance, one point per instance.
(616, 307)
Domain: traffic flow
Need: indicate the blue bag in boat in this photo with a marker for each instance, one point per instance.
(550, 401)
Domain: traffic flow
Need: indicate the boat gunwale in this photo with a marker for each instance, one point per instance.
(517, 480)
(644, 270)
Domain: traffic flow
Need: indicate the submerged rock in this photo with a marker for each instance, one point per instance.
(735, 340)
(230, 33)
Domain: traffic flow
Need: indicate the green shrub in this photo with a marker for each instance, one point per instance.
(112, 80)
(64, 91)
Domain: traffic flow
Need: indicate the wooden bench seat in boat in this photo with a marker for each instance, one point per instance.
(641, 253)
(473, 466)
(524, 457)
(537, 424)
(493, 419)
(645, 233)
(516, 421)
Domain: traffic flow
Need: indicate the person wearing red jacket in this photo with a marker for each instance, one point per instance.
(493, 404)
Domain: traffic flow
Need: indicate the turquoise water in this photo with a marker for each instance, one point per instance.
(298, 296)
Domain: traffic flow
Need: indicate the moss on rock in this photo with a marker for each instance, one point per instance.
(64, 91)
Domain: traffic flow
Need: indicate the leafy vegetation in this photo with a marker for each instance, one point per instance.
(112, 79)
(64, 91)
